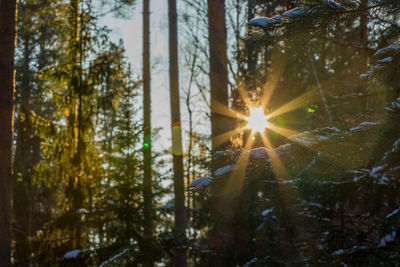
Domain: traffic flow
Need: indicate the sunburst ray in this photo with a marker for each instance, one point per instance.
(282, 131)
(276, 163)
(236, 178)
(224, 110)
(222, 138)
(300, 101)
(273, 79)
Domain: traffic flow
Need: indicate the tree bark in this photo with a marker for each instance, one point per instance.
(75, 128)
(218, 71)
(23, 159)
(147, 182)
(8, 10)
(180, 216)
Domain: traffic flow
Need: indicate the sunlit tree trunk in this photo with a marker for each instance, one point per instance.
(75, 128)
(180, 216)
(218, 72)
(250, 75)
(7, 45)
(250, 71)
(147, 183)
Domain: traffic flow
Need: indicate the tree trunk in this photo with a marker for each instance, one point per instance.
(23, 160)
(250, 75)
(218, 72)
(250, 72)
(7, 32)
(147, 183)
(180, 216)
(75, 120)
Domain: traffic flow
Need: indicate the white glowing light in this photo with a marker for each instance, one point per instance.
(257, 121)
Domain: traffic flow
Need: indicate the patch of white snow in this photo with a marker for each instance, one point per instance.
(261, 22)
(334, 4)
(387, 238)
(295, 12)
(385, 60)
(114, 258)
(201, 182)
(276, 19)
(364, 125)
(377, 67)
(259, 153)
(72, 254)
(390, 48)
(266, 212)
(396, 211)
(225, 170)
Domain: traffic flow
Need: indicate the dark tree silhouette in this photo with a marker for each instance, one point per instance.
(7, 46)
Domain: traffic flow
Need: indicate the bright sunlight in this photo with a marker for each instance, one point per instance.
(257, 121)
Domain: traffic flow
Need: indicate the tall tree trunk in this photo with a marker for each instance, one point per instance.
(218, 71)
(249, 78)
(23, 160)
(8, 10)
(75, 120)
(250, 75)
(147, 183)
(220, 124)
(180, 216)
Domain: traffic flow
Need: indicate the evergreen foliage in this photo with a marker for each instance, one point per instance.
(324, 189)
(328, 196)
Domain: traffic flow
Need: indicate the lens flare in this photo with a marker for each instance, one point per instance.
(257, 121)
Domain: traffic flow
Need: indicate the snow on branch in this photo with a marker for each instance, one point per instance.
(105, 263)
(201, 183)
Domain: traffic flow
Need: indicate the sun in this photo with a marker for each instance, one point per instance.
(257, 121)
